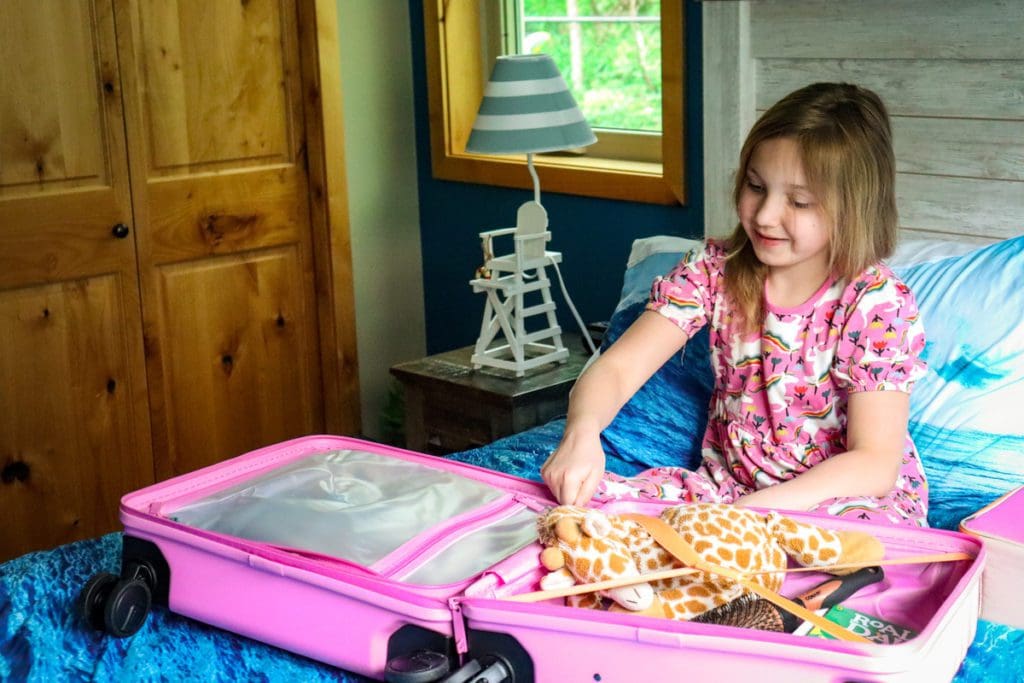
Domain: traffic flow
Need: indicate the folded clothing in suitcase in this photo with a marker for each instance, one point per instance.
(998, 525)
(358, 555)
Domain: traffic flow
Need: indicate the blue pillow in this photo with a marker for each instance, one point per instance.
(663, 423)
(965, 414)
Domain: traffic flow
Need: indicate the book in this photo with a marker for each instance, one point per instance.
(998, 526)
(873, 628)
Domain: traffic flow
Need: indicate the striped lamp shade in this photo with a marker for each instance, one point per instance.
(527, 108)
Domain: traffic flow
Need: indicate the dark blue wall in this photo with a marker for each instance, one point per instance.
(594, 235)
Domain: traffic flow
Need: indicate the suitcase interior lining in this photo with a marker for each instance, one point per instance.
(351, 504)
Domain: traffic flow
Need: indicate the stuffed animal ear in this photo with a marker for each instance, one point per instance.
(567, 530)
(547, 522)
(552, 559)
(596, 524)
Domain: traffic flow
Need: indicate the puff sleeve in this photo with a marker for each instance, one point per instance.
(687, 293)
(882, 338)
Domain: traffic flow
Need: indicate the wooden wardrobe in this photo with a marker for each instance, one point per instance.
(175, 272)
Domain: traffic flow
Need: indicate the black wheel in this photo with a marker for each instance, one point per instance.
(126, 607)
(421, 666)
(92, 597)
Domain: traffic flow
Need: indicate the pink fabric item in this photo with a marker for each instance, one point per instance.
(780, 398)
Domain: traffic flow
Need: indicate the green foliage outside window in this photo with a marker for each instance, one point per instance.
(612, 68)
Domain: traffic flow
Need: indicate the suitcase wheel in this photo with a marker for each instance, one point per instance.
(421, 666)
(116, 605)
(90, 600)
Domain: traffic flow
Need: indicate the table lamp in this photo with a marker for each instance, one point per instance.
(527, 108)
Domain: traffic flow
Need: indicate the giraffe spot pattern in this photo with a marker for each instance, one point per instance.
(695, 606)
(736, 537)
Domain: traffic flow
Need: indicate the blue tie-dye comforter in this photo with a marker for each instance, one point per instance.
(43, 639)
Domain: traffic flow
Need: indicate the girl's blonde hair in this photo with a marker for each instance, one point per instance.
(845, 144)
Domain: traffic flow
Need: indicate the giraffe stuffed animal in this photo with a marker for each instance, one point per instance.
(582, 545)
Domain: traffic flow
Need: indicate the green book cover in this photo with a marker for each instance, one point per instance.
(871, 627)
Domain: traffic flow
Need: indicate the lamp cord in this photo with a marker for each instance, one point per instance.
(558, 271)
(533, 174)
(575, 313)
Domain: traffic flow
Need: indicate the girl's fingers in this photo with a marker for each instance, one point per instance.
(572, 483)
(568, 490)
(588, 487)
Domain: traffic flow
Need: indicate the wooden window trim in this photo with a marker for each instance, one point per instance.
(454, 84)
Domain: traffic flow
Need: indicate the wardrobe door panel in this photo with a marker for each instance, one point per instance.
(74, 426)
(235, 353)
(220, 191)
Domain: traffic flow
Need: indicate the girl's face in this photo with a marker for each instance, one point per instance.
(787, 226)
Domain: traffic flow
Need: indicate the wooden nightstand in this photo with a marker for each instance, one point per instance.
(451, 407)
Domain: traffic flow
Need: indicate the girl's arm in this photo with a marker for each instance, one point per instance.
(575, 468)
(876, 433)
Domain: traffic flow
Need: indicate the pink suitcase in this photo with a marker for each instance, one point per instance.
(393, 564)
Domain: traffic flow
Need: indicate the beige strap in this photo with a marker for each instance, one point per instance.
(537, 596)
(671, 541)
(580, 588)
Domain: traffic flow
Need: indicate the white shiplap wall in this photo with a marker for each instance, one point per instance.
(950, 71)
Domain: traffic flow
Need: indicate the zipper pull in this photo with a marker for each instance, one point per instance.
(458, 627)
(529, 502)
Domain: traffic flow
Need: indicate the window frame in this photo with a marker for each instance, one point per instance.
(455, 87)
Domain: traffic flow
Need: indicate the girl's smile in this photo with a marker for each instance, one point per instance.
(767, 241)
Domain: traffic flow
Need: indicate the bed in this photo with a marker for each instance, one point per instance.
(961, 419)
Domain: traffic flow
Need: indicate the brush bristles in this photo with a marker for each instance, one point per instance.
(746, 611)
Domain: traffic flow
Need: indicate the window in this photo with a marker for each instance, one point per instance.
(639, 154)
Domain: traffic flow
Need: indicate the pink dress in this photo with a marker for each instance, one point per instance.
(779, 403)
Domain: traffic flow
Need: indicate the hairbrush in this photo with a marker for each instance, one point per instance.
(749, 611)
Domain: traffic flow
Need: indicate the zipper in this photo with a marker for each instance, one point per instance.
(450, 531)
(319, 558)
(531, 503)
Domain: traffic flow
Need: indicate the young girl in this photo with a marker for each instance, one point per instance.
(814, 342)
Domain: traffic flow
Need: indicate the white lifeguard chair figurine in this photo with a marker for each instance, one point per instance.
(518, 288)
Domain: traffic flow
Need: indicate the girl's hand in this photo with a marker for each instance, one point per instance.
(575, 469)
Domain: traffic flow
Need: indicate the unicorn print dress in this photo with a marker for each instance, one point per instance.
(780, 398)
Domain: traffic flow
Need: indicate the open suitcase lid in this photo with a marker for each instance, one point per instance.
(376, 507)
(1000, 519)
